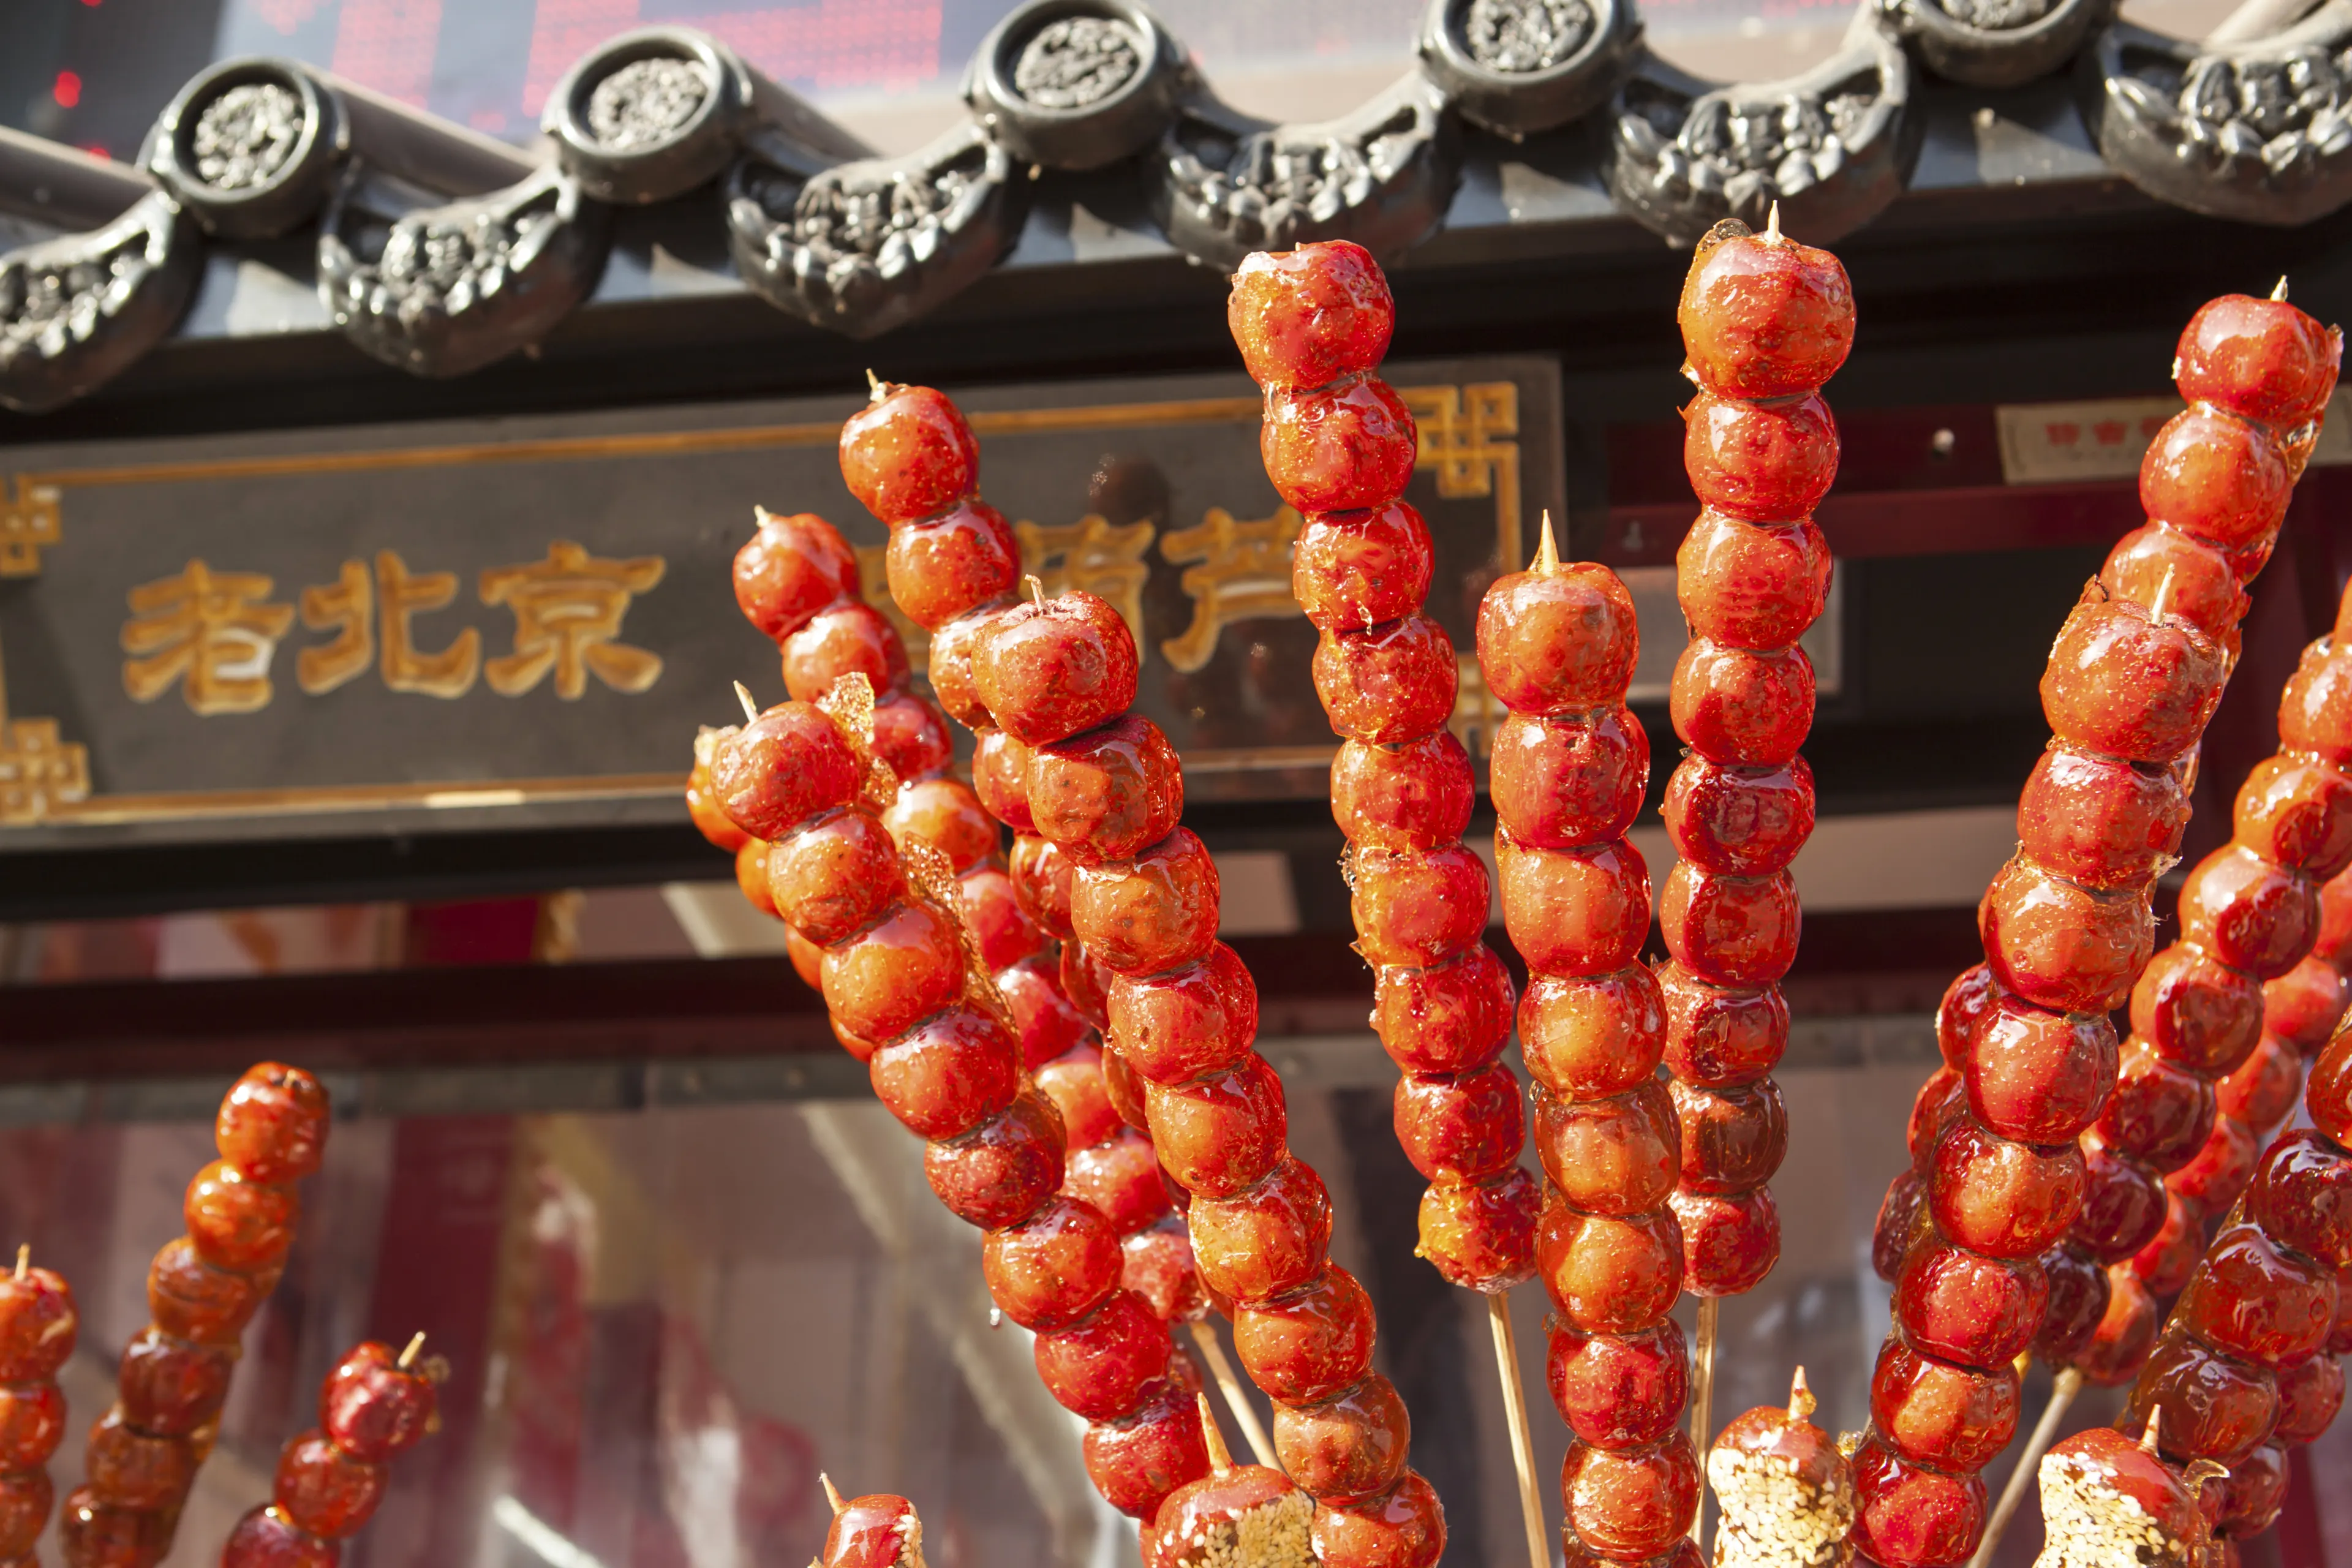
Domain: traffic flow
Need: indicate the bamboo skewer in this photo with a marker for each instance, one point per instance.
(1515, 1405)
(1702, 1408)
(1221, 1373)
(2029, 1462)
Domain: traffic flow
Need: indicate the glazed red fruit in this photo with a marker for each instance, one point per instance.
(2063, 947)
(949, 566)
(1730, 1240)
(2004, 1199)
(1741, 707)
(1100, 1365)
(1339, 448)
(1610, 1276)
(2039, 1077)
(37, 1325)
(2098, 821)
(194, 1299)
(1910, 1513)
(1047, 671)
(1054, 1268)
(896, 973)
(840, 641)
(171, 1387)
(272, 1123)
(263, 1538)
(1391, 682)
(1571, 780)
(2078, 1300)
(2302, 1195)
(1559, 638)
(1304, 318)
(1619, 1391)
(2121, 684)
(1761, 463)
(1403, 1528)
(2310, 1392)
(1415, 794)
(1346, 1449)
(909, 454)
(1355, 569)
(1631, 1504)
(1002, 1168)
(1156, 914)
(783, 768)
(2195, 1013)
(1270, 1238)
(2253, 1301)
(2217, 477)
(1108, 793)
(2260, 358)
(2119, 1345)
(1952, 1418)
(135, 1470)
(1978, 1312)
(2107, 1463)
(1220, 1134)
(1137, 1462)
(238, 1222)
(1309, 1344)
(105, 1534)
(32, 1422)
(791, 568)
(1586, 1038)
(325, 1490)
(2297, 813)
(1739, 822)
(878, 1531)
(1194, 1020)
(1449, 1018)
(1762, 315)
(947, 1074)
(2214, 1407)
(373, 1406)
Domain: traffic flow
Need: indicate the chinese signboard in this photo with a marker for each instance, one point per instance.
(2104, 438)
(525, 620)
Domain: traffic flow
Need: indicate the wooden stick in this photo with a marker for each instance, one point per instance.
(1515, 1405)
(1702, 1409)
(2029, 1462)
(1221, 1372)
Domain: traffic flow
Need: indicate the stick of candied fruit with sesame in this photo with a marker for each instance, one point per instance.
(905, 984)
(1765, 322)
(1312, 325)
(37, 1328)
(910, 459)
(1556, 646)
(1247, 1516)
(2133, 677)
(1787, 1491)
(1059, 676)
(373, 1406)
(2107, 1500)
(202, 1291)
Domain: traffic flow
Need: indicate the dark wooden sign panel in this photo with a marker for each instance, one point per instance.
(458, 625)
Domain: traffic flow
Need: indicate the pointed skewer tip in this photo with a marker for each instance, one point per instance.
(831, 1493)
(2279, 293)
(24, 1258)
(1221, 1458)
(1802, 1402)
(1036, 590)
(743, 695)
(1773, 223)
(415, 1345)
(2148, 1438)
(1546, 549)
(873, 386)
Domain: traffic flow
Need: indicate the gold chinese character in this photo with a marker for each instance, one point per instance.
(349, 603)
(213, 632)
(1094, 556)
(1460, 426)
(568, 611)
(873, 586)
(40, 775)
(451, 672)
(1245, 570)
(35, 519)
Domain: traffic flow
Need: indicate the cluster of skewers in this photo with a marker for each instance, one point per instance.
(202, 1289)
(1065, 1029)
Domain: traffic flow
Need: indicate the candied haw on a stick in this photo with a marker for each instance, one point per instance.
(1765, 322)
(373, 1406)
(1245, 1516)
(2132, 677)
(1558, 644)
(202, 1291)
(2107, 1500)
(951, 570)
(878, 1531)
(903, 977)
(1312, 324)
(38, 1327)
(1183, 1012)
(1787, 1493)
